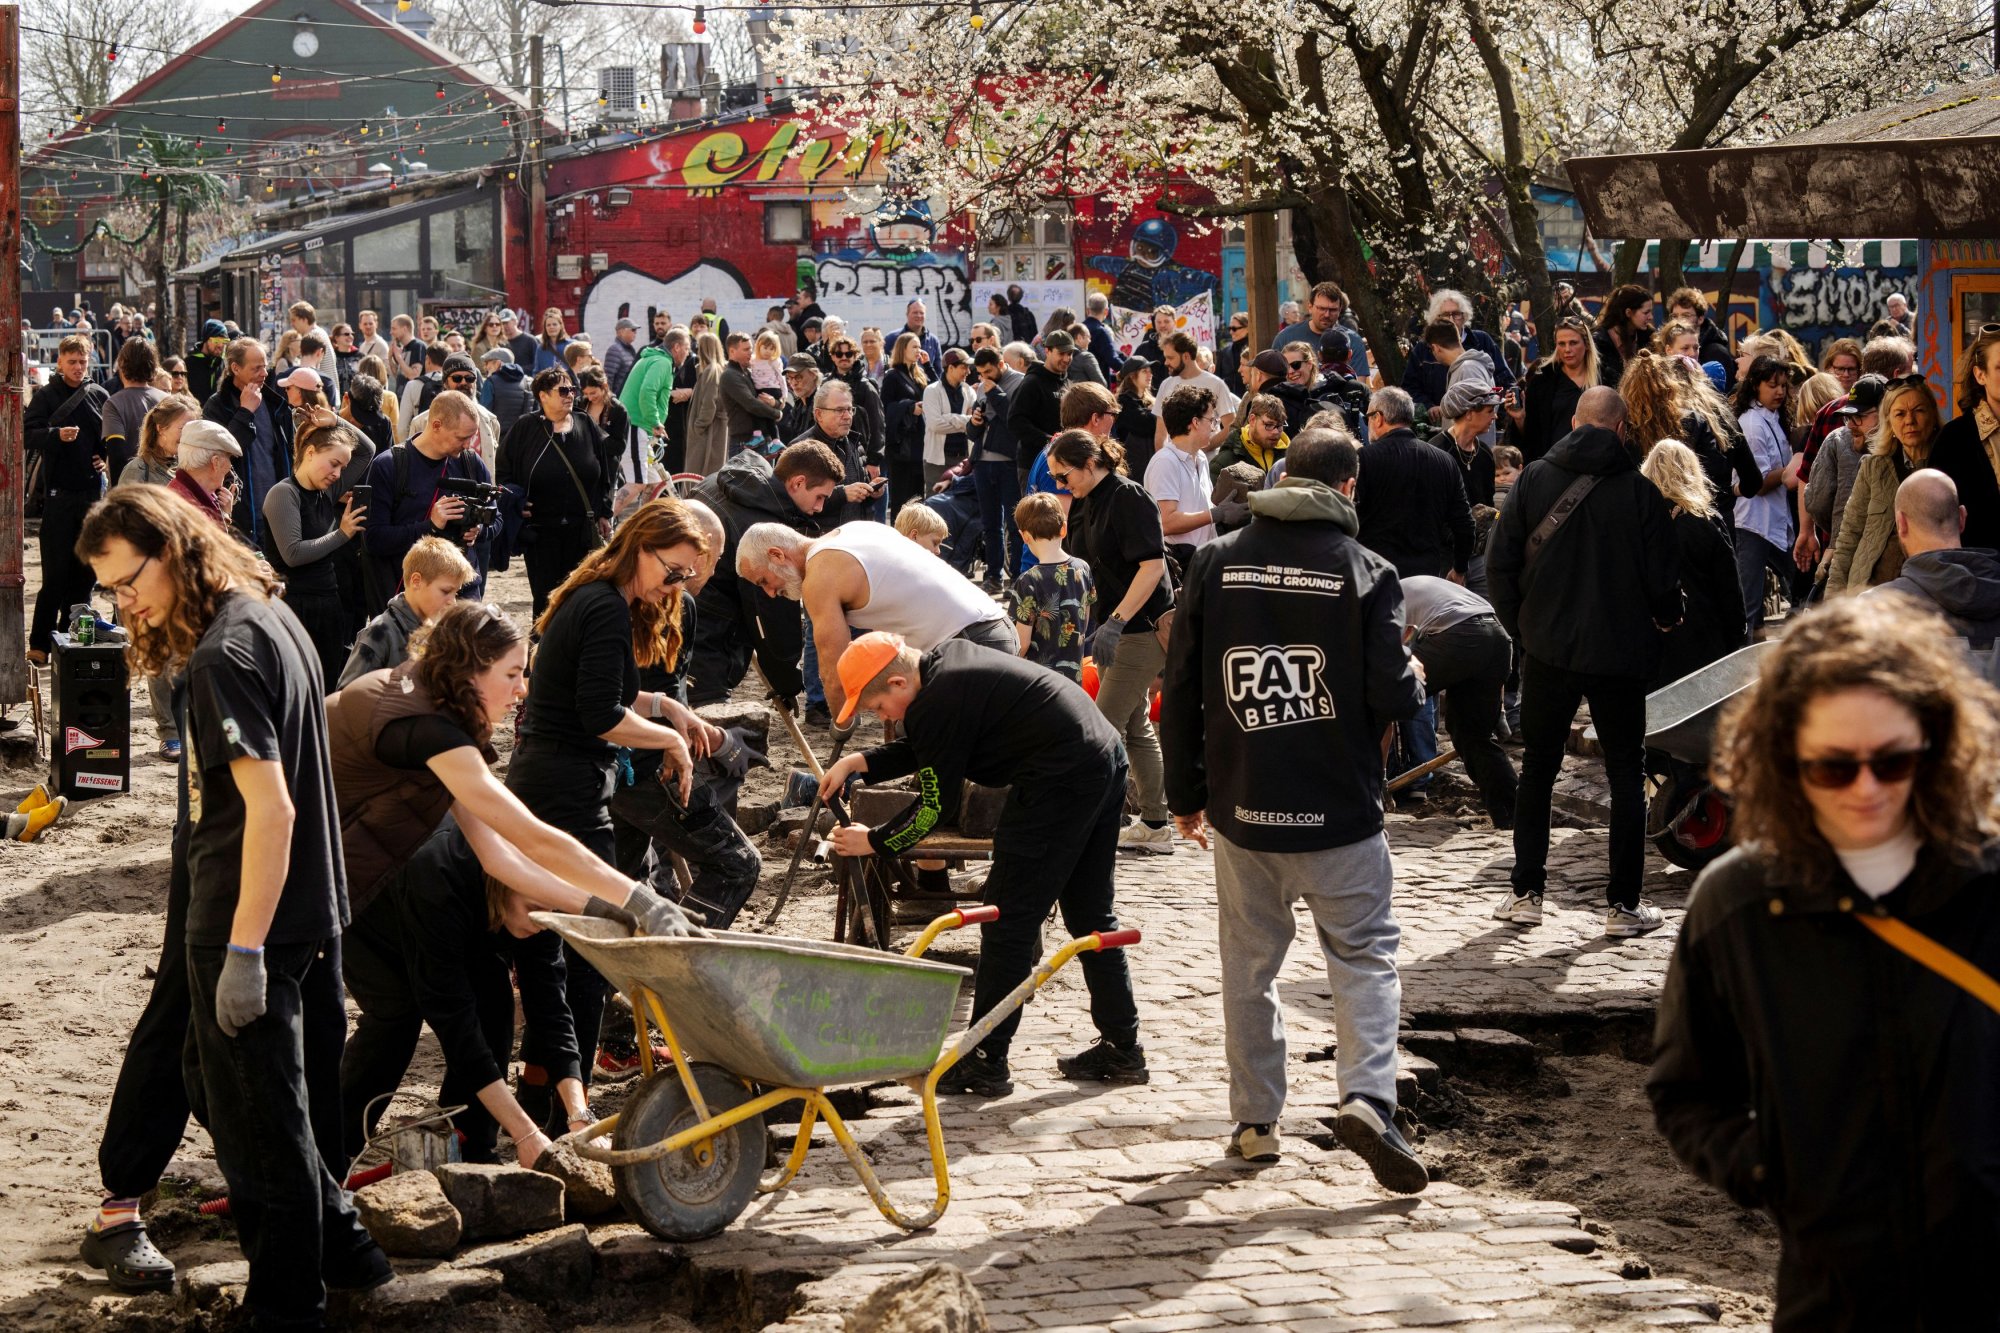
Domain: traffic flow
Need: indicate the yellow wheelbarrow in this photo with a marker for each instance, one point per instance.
(755, 1021)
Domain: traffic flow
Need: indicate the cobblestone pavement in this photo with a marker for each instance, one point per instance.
(1089, 1208)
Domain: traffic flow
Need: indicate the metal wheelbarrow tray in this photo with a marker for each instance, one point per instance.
(1681, 718)
(751, 1022)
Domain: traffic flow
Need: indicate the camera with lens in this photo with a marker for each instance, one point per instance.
(482, 500)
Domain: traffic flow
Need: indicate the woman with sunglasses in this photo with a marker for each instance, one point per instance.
(554, 342)
(1867, 551)
(430, 942)
(487, 336)
(620, 610)
(553, 460)
(1806, 1065)
(1541, 406)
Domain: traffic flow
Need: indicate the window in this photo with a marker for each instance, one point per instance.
(392, 249)
(1021, 248)
(463, 254)
(784, 224)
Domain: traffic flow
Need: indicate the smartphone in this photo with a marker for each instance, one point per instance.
(362, 494)
(879, 485)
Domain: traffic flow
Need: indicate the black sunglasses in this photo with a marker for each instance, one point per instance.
(1297, 365)
(564, 391)
(461, 378)
(1891, 766)
(1915, 379)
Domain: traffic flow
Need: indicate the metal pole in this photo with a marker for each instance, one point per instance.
(13, 373)
(538, 189)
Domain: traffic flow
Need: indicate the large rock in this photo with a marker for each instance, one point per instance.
(1497, 1055)
(408, 1214)
(939, 1299)
(497, 1201)
(588, 1190)
(551, 1268)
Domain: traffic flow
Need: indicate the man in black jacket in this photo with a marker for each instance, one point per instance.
(802, 378)
(844, 355)
(255, 411)
(1285, 663)
(65, 425)
(1587, 599)
(966, 712)
(1035, 411)
(735, 618)
(857, 497)
(749, 411)
(1411, 503)
(994, 467)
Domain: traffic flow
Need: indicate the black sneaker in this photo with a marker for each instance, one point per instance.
(977, 1075)
(1373, 1137)
(364, 1270)
(818, 715)
(1107, 1062)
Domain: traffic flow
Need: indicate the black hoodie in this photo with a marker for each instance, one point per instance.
(734, 617)
(1285, 662)
(1963, 584)
(1036, 412)
(1607, 579)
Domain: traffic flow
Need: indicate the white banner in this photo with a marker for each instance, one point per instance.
(1041, 298)
(1195, 318)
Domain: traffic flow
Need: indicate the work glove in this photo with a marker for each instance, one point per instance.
(1230, 513)
(239, 992)
(657, 916)
(788, 702)
(1104, 644)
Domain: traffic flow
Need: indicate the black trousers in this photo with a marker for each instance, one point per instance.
(149, 1105)
(906, 483)
(1549, 696)
(570, 789)
(66, 580)
(270, 1097)
(1468, 664)
(1074, 836)
(724, 863)
(385, 1036)
(555, 551)
(324, 618)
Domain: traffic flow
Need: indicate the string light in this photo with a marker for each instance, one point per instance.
(700, 21)
(978, 19)
(277, 76)
(440, 91)
(111, 56)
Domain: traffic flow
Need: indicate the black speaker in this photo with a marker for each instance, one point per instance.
(93, 719)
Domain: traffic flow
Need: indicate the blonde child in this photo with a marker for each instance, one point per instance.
(767, 365)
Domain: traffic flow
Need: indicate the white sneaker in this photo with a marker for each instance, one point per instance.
(1138, 836)
(1522, 909)
(1625, 922)
(1256, 1143)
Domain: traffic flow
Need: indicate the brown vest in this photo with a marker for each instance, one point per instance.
(385, 813)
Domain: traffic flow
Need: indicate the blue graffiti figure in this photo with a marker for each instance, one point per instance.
(1148, 277)
(902, 228)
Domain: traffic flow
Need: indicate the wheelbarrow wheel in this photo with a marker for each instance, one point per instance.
(678, 1197)
(1693, 823)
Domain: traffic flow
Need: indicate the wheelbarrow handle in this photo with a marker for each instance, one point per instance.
(978, 916)
(964, 916)
(1115, 939)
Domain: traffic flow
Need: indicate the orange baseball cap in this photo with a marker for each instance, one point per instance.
(862, 662)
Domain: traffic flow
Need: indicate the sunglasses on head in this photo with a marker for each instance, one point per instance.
(1914, 378)
(1890, 766)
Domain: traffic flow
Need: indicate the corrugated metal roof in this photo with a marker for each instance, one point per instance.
(1957, 111)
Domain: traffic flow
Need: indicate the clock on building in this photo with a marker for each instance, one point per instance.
(305, 44)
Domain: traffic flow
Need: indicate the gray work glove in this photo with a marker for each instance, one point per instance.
(657, 916)
(1230, 513)
(1104, 644)
(239, 992)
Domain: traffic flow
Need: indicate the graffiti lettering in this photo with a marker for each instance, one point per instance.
(1833, 302)
(873, 291)
(724, 157)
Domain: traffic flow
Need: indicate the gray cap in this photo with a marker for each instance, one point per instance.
(801, 362)
(624, 324)
(210, 435)
(500, 354)
(1462, 398)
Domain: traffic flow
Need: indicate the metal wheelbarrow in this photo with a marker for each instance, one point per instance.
(1687, 817)
(792, 1017)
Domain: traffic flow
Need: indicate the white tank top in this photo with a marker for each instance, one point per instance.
(910, 591)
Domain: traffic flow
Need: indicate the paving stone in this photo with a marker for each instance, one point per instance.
(425, 1295)
(408, 1214)
(548, 1268)
(499, 1201)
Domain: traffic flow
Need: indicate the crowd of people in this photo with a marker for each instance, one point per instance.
(1019, 554)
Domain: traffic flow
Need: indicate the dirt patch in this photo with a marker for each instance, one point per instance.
(1583, 1133)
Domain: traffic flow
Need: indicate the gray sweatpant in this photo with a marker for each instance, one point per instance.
(1348, 890)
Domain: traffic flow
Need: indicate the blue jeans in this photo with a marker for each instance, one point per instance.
(1417, 743)
(1754, 555)
(815, 691)
(999, 489)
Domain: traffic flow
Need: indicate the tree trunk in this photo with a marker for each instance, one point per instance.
(1626, 269)
(162, 294)
(1340, 257)
(1672, 270)
(1516, 175)
(177, 331)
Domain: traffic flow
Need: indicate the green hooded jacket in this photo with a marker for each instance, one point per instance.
(649, 389)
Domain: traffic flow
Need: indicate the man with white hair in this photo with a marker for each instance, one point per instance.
(1898, 312)
(207, 475)
(878, 576)
(1425, 377)
(1096, 310)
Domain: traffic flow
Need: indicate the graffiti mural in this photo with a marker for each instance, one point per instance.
(1834, 302)
(1146, 274)
(875, 286)
(624, 292)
